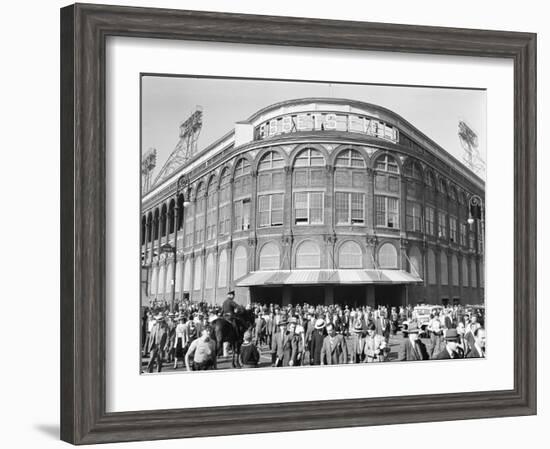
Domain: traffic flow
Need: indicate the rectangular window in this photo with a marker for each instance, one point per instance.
(442, 225)
(479, 239)
(414, 217)
(270, 210)
(242, 214)
(350, 208)
(270, 181)
(429, 221)
(308, 207)
(387, 211)
(452, 229)
(472, 240)
(462, 234)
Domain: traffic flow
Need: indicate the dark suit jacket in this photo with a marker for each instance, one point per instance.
(338, 354)
(285, 347)
(472, 353)
(158, 338)
(407, 352)
(382, 327)
(315, 346)
(444, 355)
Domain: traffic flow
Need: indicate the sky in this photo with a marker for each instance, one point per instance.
(168, 101)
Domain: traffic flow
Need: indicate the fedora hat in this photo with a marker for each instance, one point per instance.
(451, 335)
(320, 324)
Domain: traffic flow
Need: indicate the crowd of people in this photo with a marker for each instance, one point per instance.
(299, 335)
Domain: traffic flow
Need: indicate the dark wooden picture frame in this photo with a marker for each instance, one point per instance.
(84, 29)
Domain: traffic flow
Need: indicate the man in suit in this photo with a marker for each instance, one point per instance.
(334, 350)
(357, 343)
(477, 350)
(450, 351)
(158, 343)
(375, 346)
(383, 327)
(316, 342)
(284, 345)
(412, 347)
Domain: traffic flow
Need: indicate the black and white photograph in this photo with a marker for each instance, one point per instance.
(302, 224)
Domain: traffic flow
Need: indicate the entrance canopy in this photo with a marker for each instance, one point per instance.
(293, 277)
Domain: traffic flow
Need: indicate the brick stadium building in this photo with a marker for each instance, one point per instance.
(316, 200)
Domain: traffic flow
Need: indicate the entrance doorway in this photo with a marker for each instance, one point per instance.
(350, 295)
(313, 295)
(267, 295)
(389, 295)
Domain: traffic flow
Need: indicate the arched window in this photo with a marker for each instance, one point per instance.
(210, 272)
(308, 255)
(171, 216)
(271, 186)
(161, 279)
(386, 198)
(442, 187)
(240, 263)
(453, 194)
(454, 270)
(143, 229)
(387, 256)
(309, 158)
(222, 269)
(473, 272)
(444, 268)
(415, 262)
(212, 210)
(179, 267)
(149, 227)
(350, 158)
(163, 219)
(198, 273)
(156, 224)
(180, 211)
(200, 210)
(309, 183)
(241, 195)
(271, 160)
(169, 274)
(465, 272)
(225, 202)
(187, 276)
(350, 255)
(432, 278)
(429, 179)
(270, 257)
(413, 170)
(350, 179)
(154, 282)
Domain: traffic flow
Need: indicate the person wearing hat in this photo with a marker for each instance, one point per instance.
(158, 343)
(412, 347)
(375, 345)
(249, 355)
(451, 348)
(334, 350)
(179, 340)
(316, 344)
(283, 348)
(357, 343)
(229, 309)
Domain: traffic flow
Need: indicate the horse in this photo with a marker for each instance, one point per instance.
(223, 331)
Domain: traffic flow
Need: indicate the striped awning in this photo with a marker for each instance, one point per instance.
(308, 277)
